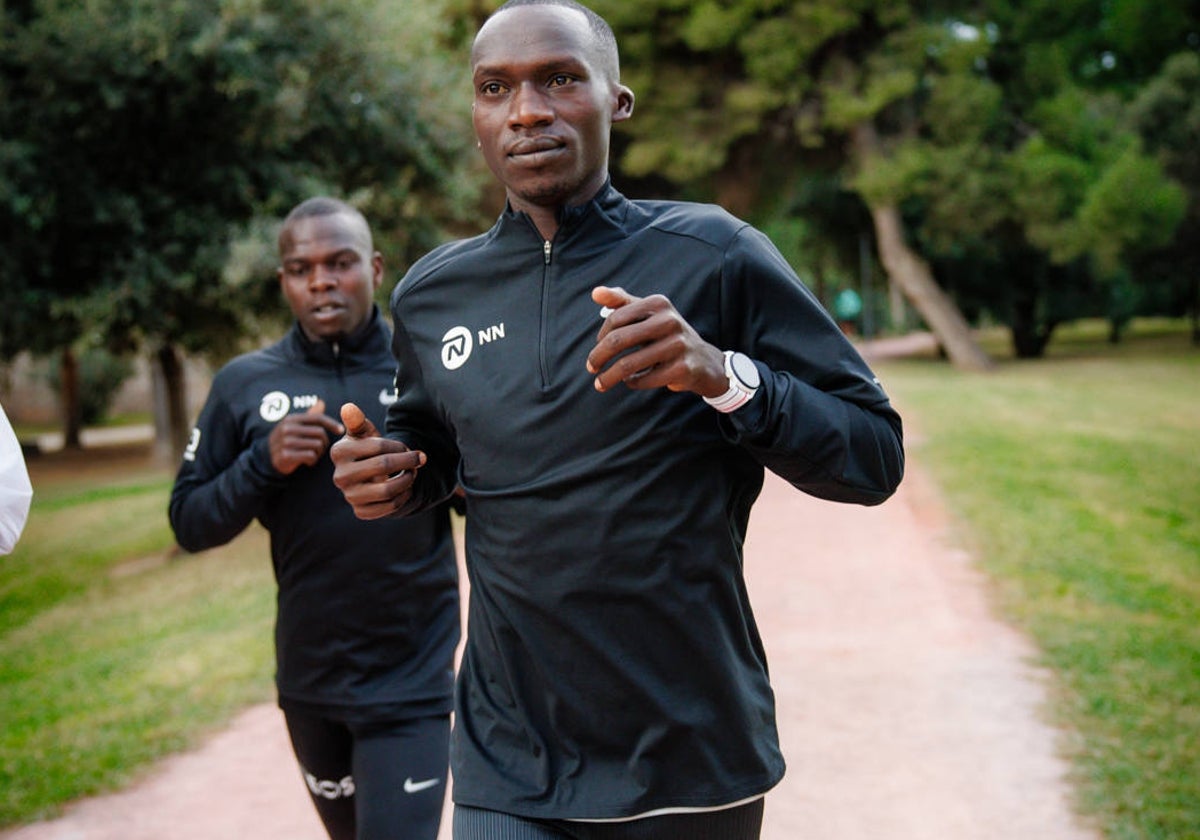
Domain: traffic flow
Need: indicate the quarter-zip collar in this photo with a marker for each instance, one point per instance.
(368, 338)
(607, 208)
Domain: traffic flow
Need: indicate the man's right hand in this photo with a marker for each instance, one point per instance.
(374, 473)
(299, 440)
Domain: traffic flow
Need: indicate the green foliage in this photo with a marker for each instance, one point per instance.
(101, 375)
(777, 49)
(712, 25)
(1166, 113)
(1004, 127)
(142, 138)
(1050, 185)
(1132, 205)
(890, 180)
(964, 109)
(1076, 122)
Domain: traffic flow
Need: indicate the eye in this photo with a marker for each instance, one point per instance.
(491, 89)
(342, 264)
(560, 79)
(296, 271)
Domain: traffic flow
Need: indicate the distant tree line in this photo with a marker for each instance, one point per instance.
(1025, 162)
(1022, 163)
(147, 148)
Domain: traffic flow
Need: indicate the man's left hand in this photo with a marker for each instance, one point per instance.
(645, 343)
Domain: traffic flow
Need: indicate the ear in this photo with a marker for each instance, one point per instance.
(622, 104)
(376, 271)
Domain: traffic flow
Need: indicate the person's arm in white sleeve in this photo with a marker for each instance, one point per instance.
(16, 492)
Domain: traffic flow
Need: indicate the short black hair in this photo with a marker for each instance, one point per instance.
(321, 205)
(605, 36)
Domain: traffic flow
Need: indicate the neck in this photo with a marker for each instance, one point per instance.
(545, 217)
(545, 220)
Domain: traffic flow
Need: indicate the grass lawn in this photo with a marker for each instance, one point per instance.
(113, 651)
(1077, 481)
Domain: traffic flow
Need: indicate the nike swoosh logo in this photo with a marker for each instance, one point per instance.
(416, 787)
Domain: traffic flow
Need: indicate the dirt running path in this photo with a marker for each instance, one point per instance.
(907, 711)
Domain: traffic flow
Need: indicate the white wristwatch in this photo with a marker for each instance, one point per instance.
(743, 379)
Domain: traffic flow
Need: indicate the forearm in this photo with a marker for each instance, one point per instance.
(823, 444)
(209, 511)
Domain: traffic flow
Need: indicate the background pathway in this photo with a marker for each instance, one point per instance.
(907, 711)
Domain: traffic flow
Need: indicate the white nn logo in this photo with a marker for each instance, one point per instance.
(456, 347)
(275, 406)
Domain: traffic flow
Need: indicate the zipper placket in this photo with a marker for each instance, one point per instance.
(543, 365)
(338, 373)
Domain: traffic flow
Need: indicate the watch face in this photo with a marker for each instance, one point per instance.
(745, 370)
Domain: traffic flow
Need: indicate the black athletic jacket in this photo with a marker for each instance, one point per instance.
(613, 666)
(368, 614)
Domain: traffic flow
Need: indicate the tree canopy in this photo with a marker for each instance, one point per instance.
(1025, 162)
(991, 143)
(141, 140)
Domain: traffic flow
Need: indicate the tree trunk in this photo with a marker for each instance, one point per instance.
(72, 407)
(170, 404)
(864, 285)
(738, 182)
(915, 279)
(912, 275)
(1196, 311)
(1028, 336)
(897, 311)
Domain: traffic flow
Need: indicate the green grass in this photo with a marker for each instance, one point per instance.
(113, 651)
(1077, 481)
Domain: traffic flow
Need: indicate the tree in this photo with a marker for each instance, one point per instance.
(985, 140)
(759, 93)
(142, 139)
(1086, 189)
(1166, 114)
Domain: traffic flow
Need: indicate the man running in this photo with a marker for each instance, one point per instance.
(368, 615)
(607, 379)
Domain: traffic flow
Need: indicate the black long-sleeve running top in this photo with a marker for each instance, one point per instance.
(613, 667)
(368, 615)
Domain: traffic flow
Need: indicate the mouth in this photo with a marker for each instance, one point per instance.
(535, 150)
(327, 310)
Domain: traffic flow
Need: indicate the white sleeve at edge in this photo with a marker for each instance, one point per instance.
(15, 490)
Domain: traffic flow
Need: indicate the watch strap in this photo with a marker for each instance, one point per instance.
(737, 395)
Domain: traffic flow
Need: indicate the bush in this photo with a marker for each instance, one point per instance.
(101, 375)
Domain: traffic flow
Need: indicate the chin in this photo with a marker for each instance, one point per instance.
(332, 333)
(546, 193)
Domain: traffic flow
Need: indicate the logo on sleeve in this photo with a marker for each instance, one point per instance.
(275, 406)
(456, 347)
(193, 446)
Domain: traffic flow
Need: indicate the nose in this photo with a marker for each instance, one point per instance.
(530, 106)
(322, 277)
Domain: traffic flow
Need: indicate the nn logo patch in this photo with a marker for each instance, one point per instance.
(458, 343)
(456, 347)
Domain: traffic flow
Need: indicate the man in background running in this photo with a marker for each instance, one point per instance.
(368, 615)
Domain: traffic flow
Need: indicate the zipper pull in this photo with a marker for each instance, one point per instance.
(546, 251)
